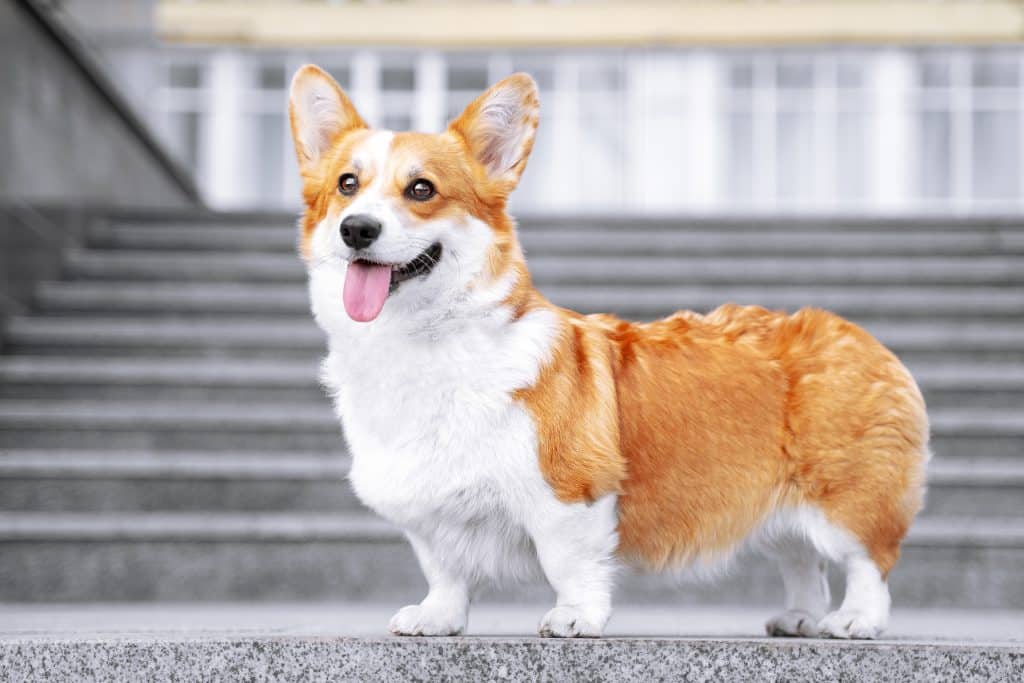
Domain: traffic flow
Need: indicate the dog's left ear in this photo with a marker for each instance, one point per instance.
(499, 127)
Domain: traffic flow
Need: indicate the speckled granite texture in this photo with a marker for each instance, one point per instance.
(521, 659)
(326, 641)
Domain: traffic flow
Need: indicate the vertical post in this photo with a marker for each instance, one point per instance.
(366, 86)
(661, 96)
(566, 126)
(225, 160)
(431, 92)
(636, 122)
(765, 129)
(962, 103)
(895, 153)
(704, 152)
(291, 187)
(1020, 136)
(826, 119)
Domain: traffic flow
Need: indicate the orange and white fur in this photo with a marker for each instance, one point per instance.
(510, 438)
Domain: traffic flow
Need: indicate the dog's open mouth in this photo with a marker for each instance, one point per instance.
(368, 284)
(421, 265)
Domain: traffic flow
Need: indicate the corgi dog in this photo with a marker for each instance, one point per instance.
(511, 439)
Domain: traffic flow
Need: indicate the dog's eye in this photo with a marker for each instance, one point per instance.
(348, 184)
(421, 190)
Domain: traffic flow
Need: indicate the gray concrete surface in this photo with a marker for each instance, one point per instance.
(69, 144)
(262, 555)
(66, 137)
(348, 642)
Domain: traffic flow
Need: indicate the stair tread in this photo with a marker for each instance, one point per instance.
(91, 464)
(342, 526)
(263, 415)
(698, 238)
(633, 301)
(977, 470)
(188, 371)
(272, 372)
(277, 465)
(171, 414)
(302, 330)
(221, 265)
(195, 526)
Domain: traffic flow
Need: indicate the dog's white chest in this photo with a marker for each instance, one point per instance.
(439, 445)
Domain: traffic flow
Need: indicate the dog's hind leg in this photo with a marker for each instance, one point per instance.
(804, 575)
(865, 609)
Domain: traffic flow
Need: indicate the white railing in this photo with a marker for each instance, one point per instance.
(856, 131)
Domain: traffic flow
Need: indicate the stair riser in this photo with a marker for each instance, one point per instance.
(386, 571)
(184, 495)
(56, 345)
(22, 494)
(69, 304)
(198, 439)
(579, 244)
(547, 274)
(979, 398)
(306, 441)
(974, 500)
(111, 392)
(214, 348)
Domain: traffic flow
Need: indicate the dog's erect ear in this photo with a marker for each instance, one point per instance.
(319, 112)
(499, 127)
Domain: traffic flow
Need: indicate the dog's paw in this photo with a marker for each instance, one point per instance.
(793, 623)
(566, 621)
(850, 624)
(417, 620)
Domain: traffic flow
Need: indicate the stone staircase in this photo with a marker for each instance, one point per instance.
(162, 435)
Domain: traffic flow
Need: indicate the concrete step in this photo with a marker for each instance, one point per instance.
(698, 241)
(975, 487)
(952, 562)
(347, 641)
(109, 481)
(162, 425)
(149, 378)
(230, 266)
(932, 302)
(297, 337)
(603, 222)
(992, 385)
(267, 425)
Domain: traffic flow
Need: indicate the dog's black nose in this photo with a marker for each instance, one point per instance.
(360, 231)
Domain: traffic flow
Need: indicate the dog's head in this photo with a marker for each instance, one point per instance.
(411, 220)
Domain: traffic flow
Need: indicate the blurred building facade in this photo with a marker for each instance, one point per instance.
(801, 126)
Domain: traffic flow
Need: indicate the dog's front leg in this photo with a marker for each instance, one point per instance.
(575, 545)
(445, 609)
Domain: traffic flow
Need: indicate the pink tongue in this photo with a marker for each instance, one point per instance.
(366, 288)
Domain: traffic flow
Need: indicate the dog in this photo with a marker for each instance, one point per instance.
(511, 439)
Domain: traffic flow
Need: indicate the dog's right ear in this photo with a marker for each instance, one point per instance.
(319, 113)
